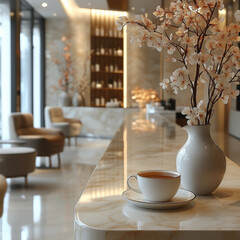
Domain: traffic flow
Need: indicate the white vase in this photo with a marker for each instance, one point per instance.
(200, 161)
(64, 99)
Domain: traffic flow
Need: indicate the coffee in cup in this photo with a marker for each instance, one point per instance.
(156, 185)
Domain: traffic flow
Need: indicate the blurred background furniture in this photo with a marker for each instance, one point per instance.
(54, 118)
(47, 142)
(13, 142)
(3, 189)
(17, 162)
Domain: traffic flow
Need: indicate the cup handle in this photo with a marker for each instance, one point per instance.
(128, 183)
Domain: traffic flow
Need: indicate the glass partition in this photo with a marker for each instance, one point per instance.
(31, 53)
(37, 85)
(5, 73)
(21, 62)
(26, 59)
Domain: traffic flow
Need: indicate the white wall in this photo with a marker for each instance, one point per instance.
(77, 30)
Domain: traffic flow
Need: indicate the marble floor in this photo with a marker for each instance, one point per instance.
(45, 210)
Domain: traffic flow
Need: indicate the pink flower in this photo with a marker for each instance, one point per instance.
(210, 45)
(160, 12)
(164, 84)
(121, 22)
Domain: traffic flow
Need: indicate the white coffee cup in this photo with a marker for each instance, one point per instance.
(156, 185)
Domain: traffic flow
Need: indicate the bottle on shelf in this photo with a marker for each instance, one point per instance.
(119, 52)
(115, 51)
(102, 50)
(110, 84)
(115, 85)
(102, 101)
(97, 101)
(97, 51)
(111, 68)
(107, 68)
(119, 83)
(98, 85)
(97, 67)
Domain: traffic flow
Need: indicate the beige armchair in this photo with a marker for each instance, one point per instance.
(69, 126)
(47, 142)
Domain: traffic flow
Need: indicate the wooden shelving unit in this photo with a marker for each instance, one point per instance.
(106, 60)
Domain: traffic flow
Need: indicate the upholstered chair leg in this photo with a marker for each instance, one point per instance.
(50, 161)
(69, 141)
(26, 181)
(59, 160)
(76, 142)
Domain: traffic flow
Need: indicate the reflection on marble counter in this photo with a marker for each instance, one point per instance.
(104, 122)
(98, 122)
(141, 144)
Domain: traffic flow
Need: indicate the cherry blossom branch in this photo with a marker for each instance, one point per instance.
(235, 75)
(200, 44)
(223, 56)
(201, 16)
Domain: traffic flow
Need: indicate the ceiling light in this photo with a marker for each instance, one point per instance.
(44, 4)
(54, 14)
(133, 8)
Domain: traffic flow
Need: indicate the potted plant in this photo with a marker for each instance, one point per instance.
(195, 37)
(64, 64)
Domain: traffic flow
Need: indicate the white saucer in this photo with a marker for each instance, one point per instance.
(181, 198)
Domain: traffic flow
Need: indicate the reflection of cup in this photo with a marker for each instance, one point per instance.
(156, 185)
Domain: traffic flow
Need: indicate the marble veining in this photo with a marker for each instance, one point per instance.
(153, 143)
(97, 122)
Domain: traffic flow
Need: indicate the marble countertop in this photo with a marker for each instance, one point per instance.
(143, 144)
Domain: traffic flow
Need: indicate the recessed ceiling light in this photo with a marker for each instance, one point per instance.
(54, 14)
(89, 4)
(133, 8)
(44, 4)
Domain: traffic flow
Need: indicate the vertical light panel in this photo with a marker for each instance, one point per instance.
(125, 67)
(5, 69)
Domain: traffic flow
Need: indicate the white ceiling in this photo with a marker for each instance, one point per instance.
(55, 6)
